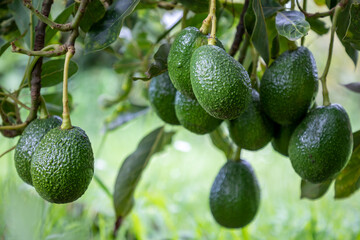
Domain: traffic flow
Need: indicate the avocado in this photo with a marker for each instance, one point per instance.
(63, 165)
(289, 86)
(252, 130)
(185, 43)
(192, 116)
(28, 142)
(162, 98)
(282, 135)
(321, 144)
(220, 83)
(235, 195)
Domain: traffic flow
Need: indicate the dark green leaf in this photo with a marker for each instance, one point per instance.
(52, 72)
(342, 25)
(352, 34)
(317, 26)
(3, 47)
(61, 18)
(133, 167)
(259, 35)
(249, 19)
(94, 12)
(160, 64)
(107, 30)
(54, 103)
(127, 64)
(222, 142)
(356, 136)
(292, 24)
(124, 114)
(314, 190)
(22, 17)
(355, 86)
(348, 181)
(270, 7)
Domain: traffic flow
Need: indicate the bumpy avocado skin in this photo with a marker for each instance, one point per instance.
(193, 117)
(235, 195)
(185, 43)
(289, 86)
(252, 130)
(322, 143)
(220, 83)
(63, 165)
(28, 142)
(162, 98)
(282, 135)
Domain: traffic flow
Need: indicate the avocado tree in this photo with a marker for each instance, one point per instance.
(258, 88)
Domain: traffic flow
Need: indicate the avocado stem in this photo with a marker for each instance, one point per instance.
(292, 45)
(44, 113)
(237, 154)
(212, 39)
(183, 19)
(325, 92)
(66, 123)
(253, 77)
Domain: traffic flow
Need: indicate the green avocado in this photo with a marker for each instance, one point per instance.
(252, 130)
(282, 135)
(63, 165)
(192, 116)
(289, 86)
(162, 98)
(220, 83)
(235, 195)
(28, 142)
(185, 43)
(321, 144)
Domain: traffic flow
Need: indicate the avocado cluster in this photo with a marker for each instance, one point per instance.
(204, 86)
(58, 162)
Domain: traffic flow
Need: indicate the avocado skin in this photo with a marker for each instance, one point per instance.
(162, 98)
(185, 43)
(235, 195)
(192, 116)
(28, 142)
(252, 130)
(289, 86)
(282, 135)
(321, 145)
(220, 83)
(63, 165)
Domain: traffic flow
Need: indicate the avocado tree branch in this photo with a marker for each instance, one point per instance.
(58, 50)
(15, 100)
(7, 151)
(240, 31)
(326, 100)
(317, 14)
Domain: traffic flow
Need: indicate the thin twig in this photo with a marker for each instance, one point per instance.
(7, 151)
(240, 31)
(317, 14)
(15, 100)
(59, 50)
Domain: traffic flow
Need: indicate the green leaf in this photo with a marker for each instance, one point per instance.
(22, 17)
(160, 64)
(54, 103)
(3, 47)
(95, 11)
(356, 137)
(256, 27)
(52, 72)
(222, 142)
(342, 25)
(352, 34)
(317, 26)
(132, 168)
(348, 181)
(292, 24)
(355, 86)
(61, 18)
(107, 30)
(314, 190)
(270, 7)
(123, 114)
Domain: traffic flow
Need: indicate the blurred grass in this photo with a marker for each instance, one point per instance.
(172, 198)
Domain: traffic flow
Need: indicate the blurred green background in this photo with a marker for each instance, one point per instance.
(172, 197)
